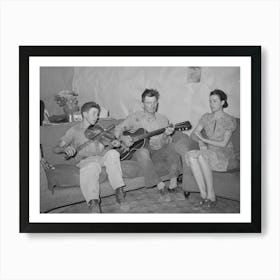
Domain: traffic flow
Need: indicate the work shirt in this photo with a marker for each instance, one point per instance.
(76, 137)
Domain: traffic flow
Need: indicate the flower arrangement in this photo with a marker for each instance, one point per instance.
(68, 101)
(66, 97)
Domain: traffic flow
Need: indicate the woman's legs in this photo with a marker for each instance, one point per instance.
(202, 174)
(208, 176)
(197, 173)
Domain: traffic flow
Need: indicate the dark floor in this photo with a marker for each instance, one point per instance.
(147, 201)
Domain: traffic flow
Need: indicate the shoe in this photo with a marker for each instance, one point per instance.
(210, 204)
(180, 179)
(177, 193)
(200, 204)
(120, 199)
(187, 194)
(120, 196)
(124, 206)
(164, 195)
(94, 206)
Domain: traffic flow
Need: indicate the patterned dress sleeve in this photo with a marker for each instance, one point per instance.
(230, 123)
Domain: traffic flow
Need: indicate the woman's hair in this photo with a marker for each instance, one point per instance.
(150, 93)
(87, 106)
(222, 96)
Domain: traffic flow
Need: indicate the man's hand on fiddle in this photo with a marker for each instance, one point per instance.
(70, 151)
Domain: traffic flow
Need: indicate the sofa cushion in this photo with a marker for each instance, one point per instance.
(65, 175)
(234, 164)
(235, 138)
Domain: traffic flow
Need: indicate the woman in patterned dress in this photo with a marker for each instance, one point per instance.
(213, 134)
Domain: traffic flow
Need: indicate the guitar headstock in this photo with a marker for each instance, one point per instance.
(183, 126)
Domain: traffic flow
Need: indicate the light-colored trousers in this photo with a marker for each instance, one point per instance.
(90, 169)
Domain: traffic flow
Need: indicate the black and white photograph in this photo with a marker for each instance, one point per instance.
(142, 138)
(130, 139)
(139, 140)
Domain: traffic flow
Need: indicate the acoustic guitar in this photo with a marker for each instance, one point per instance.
(141, 137)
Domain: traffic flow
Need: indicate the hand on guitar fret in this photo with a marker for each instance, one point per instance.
(127, 140)
(169, 130)
(116, 143)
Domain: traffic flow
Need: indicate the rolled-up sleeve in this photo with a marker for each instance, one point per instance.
(68, 137)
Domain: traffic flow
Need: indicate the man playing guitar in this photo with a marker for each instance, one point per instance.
(160, 146)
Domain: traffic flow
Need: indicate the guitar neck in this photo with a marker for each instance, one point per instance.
(161, 130)
(154, 133)
(151, 134)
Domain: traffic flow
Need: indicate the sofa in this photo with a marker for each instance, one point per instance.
(59, 186)
(59, 181)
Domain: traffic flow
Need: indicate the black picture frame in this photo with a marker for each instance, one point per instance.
(254, 52)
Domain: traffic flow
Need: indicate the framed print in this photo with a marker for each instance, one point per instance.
(140, 138)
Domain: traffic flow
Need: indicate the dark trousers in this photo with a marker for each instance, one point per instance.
(146, 158)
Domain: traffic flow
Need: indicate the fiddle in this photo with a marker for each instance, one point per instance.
(100, 134)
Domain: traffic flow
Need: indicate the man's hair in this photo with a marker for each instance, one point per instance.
(150, 93)
(88, 105)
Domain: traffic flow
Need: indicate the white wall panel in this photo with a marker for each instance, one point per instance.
(119, 89)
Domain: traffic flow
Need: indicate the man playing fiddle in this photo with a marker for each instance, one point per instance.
(91, 158)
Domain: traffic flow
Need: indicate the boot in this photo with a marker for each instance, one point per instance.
(120, 199)
(94, 206)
